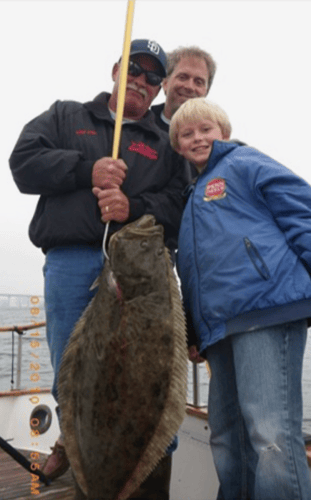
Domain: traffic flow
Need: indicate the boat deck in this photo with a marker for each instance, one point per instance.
(16, 482)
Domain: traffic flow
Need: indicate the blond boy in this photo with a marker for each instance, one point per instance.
(194, 129)
(244, 261)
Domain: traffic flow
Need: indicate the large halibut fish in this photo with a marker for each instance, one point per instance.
(123, 377)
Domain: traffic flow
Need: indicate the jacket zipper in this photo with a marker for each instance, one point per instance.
(256, 259)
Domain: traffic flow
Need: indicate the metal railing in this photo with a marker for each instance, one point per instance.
(20, 331)
(23, 328)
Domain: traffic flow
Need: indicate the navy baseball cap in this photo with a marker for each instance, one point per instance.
(151, 48)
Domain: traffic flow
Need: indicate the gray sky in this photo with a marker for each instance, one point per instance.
(66, 49)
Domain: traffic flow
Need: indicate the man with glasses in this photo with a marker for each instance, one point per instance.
(64, 155)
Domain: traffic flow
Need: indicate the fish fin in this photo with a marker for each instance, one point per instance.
(175, 405)
(95, 284)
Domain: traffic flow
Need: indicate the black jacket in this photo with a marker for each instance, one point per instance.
(157, 110)
(54, 157)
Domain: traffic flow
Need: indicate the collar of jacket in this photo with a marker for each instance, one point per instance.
(99, 108)
(219, 150)
(157, 109)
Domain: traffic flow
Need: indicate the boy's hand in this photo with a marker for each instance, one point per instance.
(194, 355)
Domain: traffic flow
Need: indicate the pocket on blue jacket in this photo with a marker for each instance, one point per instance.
(256, 259)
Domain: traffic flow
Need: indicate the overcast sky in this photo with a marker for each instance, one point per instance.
(66, 49)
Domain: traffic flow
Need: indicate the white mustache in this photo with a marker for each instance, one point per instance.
(135, 87)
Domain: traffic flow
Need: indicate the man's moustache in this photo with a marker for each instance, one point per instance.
(141, 90)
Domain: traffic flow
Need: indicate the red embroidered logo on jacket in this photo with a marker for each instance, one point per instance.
(215, 189)
(86, 132)
(144, 150)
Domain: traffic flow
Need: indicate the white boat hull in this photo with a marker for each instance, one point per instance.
(15, 416)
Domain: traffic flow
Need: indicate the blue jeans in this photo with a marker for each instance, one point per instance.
(69, 273)
(255, 414)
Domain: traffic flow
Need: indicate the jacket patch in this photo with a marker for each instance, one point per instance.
(85, 132)
(215, 189)
(144, 150)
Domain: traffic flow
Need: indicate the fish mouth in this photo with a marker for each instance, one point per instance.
(146, 222)
(143, 227)
(139, 227)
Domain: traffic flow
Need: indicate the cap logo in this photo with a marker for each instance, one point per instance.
(215, 189)
(153, 47)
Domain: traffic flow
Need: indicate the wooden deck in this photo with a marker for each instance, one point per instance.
(16, 482)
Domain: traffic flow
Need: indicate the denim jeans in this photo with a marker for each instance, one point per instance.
(69, 273)
(255, 414)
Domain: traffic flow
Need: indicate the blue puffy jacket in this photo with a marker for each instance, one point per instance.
(245, 245)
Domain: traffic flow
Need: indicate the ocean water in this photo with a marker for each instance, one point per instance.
(36, 366)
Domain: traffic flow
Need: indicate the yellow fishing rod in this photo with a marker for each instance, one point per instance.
(121, 93)
(123, 78)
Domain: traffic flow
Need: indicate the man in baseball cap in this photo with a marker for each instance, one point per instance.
(151, 48)
(145, 74)
(81, 188)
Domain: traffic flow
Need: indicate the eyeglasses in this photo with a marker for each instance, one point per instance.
(152, 78)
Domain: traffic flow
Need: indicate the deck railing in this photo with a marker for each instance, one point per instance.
(23, 328)
(20, 330)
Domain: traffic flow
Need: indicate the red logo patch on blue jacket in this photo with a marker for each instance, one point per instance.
(215, 189)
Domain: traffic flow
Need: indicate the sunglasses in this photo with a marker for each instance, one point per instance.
(152, 78)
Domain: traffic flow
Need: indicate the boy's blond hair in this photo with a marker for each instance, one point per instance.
(197, 109)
